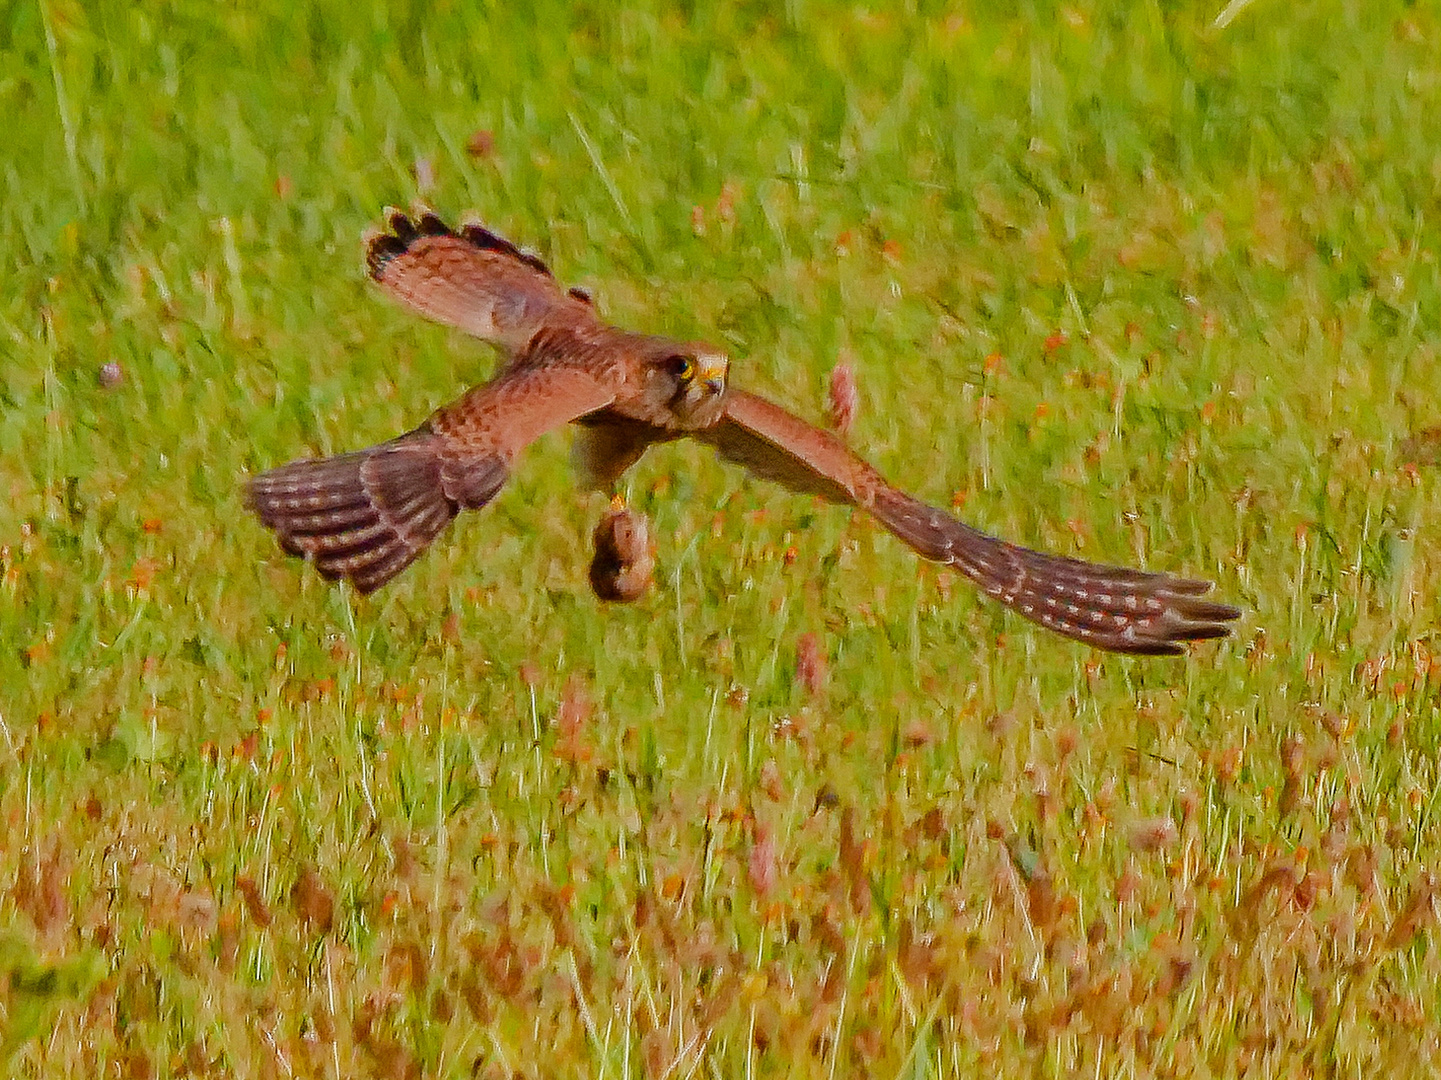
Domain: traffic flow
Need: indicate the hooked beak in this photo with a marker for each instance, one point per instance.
(712, 376)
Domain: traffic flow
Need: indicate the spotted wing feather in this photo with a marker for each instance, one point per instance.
(367, 515)
(471, 279)
(1124, 610)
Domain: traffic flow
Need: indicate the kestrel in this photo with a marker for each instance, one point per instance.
(365, 516)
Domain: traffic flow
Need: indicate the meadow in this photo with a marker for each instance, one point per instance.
(1130, 282)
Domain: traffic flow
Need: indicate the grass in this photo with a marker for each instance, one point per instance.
(1117, 282)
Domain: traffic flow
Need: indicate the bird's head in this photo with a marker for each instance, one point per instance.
(688, 381)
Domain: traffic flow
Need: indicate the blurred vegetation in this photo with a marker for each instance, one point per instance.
(1114, 280)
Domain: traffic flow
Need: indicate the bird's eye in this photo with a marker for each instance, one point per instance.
(683, 367)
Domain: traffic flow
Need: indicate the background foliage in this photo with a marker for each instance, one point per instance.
(1115, 280)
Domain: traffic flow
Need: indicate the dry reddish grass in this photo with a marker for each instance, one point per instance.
(1119, 283)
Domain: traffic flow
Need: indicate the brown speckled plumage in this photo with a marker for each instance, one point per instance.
(624, 558)
(366, 515)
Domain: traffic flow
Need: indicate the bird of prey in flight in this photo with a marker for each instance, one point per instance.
(365, 516)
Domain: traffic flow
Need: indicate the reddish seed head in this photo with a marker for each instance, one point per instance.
(762, 869)
(1153, 834)
(770, 780)
(1293, 756)
(725, 206)
(918, 734)
(1335, 724)
(810, 663)
(575, 708)
(844, 397)
(255, 905)
(1128, 885)
(313, 902)
(481, 144)
(1229, 764)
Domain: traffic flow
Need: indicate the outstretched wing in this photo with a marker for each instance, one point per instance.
(471, 279)
(1111, 607)
(365, 516)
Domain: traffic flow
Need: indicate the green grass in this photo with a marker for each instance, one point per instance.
(478, 824)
